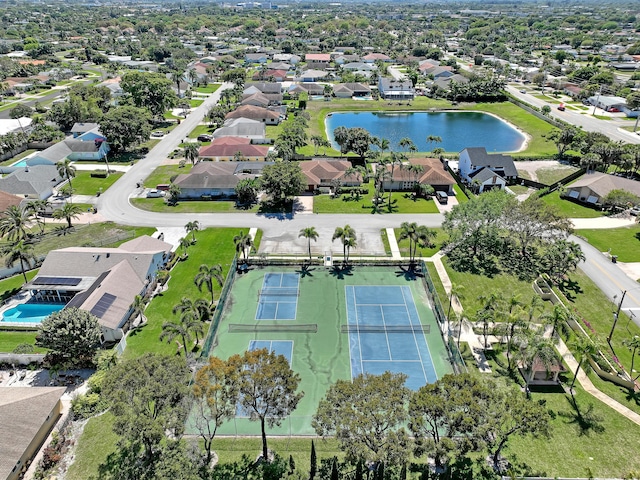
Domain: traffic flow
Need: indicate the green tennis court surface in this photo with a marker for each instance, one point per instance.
(317, 341)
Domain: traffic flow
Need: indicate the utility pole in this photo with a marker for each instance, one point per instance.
(615, 318)
(597, 100)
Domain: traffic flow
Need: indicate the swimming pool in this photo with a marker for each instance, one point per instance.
(31, 312)
(21, 163)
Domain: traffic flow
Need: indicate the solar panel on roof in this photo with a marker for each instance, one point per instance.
(103, 305)
(63, 281)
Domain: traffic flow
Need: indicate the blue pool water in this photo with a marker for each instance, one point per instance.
(458, 130)
(21, 163)
(31, 312)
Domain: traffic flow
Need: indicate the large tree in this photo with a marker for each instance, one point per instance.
(146, 397)
(282, 180)
(71, 335)
(366, 416)
(14, 223)
(347, 236)
(268, 389)
(126, 127)
(68, 212)
(215, 395)
(19, 251)
(149, 90)
(309, 233)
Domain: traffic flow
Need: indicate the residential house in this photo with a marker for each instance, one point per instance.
(287, 57)
(28, 416)
(263, 115)
(434, 172)
(477, 167)
(255, 58)
(9, 200)
(312, 76)
(271, 74)
(32, 182)
(242, 127)
(341, 59)
(445, 82)
(593, 187)
(608, 103)
(326, 174)
(229, 148)
(216, 179)
(373, 57)
(317, 61)
(313, 89)
(8, 125)
(391, 89)
(271, 90)
(256, 99)
(359, 67)
(573, 90)
(348, 90)
(103, 281)
(80, 128)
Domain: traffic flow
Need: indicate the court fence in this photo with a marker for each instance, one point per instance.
(217, 315)
(455, 357)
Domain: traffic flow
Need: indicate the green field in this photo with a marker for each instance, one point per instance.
(401, 202)
(212, 87)
(403, 245)
(214, 246)
(571, 209)
(320, 357)
(201, 129)
(551, 175)
(191, 206)
(164, 173)
(84, 184)
(623, 242)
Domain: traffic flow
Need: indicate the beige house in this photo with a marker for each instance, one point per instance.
(434, 172)
(268, 117)
(593, 187)
(326, 173)
(28, 415)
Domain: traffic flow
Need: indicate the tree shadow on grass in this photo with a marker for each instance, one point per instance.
(585, 420)
(570, 288)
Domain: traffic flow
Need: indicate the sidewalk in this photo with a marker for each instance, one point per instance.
(393, 244)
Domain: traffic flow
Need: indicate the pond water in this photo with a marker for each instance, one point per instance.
(458, 130)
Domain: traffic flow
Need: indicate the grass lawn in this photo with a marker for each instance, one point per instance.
(518, 189)
(210, 88)
(93, 447)
(191, 206)
(11, 285)
(524, 174)
(549, 176)
(442, 294)
(460, 196)
(201, 129)
(569, 208)
(163, 174)
(84, 184)
(536, 128)
(385, 241)
(403, 245)
(214, 246)
(624, 241)
(400, 203)
(194, 103)
(10, 339)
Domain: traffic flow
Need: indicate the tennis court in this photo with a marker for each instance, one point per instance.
(386, 334)
(278, 297)
(388, 314)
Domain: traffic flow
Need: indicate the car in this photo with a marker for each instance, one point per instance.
(158, 133)
(154, 193)
(586, 102)
(561, 107)
(205, 137)
(635, 211)
(524, 90)
(442, 197)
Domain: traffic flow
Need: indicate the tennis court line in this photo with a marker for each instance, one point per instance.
(426, 377)
(386, 335)
(355, 309)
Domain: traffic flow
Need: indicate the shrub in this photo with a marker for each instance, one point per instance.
(87, 405)
(99, 174)
(24, 348)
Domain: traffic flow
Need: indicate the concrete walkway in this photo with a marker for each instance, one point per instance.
(393, 244)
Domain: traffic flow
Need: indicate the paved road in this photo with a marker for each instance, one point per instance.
(611, 128)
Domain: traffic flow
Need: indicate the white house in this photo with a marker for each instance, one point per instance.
(500, 169)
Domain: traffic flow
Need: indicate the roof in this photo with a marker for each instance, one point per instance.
(608, 100)
(317, 57)
(323, 171)
(23, 411)
(351, 87)
(7, 200)
(241, 127)
(265, 87)
(484, 174)
(80, 127)
(602, 183)
(255, 98)
(229, 146)
(209, 175)
(252, 112)
(31, 180)
(311, 73)
(480, 158)
(376, 56)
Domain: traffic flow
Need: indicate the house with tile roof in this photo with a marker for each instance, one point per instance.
(325, 174)
(229, 148)
(28, 415)
(256, 99)
(373, 57)
(268, 117)
(32, 182)
(348, 90)
(391, 89)
(242, 127)
(594, 186)
(216, 179)
(434, 172)
(317, 61)
(103, 281)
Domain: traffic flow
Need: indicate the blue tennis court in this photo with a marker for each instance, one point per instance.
(279, 347)
(278, 297)
(386, 334)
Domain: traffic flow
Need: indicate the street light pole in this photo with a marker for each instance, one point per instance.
(615, 318)
(597, 100)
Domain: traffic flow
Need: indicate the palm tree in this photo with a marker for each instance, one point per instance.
(19, 252)
(66, 170)
(540, 350)
(184, 243)
(171, 330)
(535, 305)
(383, 144)
(434, 139)
(557, 318)
(425, 237)
(457, 292)
(409, 231)
(68, 212)
(407, 143)
(396, 159)
(633, 345)
(309, 233)
(206, 276)
(347, 236)
(192, 227)
(584, 349)
(14, 223)
(243, 243)
(190, 316)
(192, 152)
(39, 208)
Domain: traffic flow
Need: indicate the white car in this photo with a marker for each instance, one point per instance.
(155, 193)
(635, 211)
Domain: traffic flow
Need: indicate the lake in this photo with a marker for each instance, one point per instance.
(458, 130)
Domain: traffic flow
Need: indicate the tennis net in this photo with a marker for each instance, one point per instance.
(259, 327)
(279, 292)
(385, 329)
